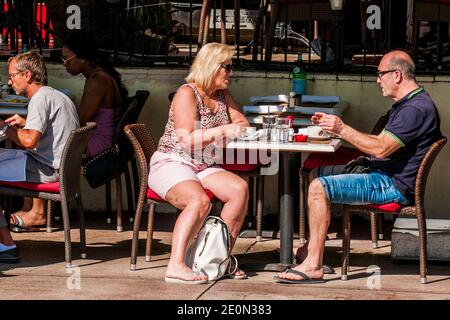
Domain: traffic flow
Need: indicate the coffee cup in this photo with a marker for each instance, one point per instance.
(316, 132)
(303, 131)
(249, 131)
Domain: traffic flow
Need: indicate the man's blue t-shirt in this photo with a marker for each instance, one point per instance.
(414, 122)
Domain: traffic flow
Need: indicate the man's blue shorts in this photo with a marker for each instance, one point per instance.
(374, 187)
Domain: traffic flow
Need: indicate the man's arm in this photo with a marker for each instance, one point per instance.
(24, 138)
(380, 146)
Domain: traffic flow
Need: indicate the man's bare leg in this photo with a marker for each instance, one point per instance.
(319, 220)
(300, 253)
(5, 237)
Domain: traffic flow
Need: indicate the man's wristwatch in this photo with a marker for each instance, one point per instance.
(3, 130)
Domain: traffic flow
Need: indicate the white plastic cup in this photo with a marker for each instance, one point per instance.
(315, 131)
(269, 124)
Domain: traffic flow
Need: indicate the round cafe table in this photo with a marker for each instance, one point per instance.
(283, 159)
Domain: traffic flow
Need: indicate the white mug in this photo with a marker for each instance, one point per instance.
(303, 131)
(315, 131)
(249, 131)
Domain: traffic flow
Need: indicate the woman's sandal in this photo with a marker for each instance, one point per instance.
(235, 268)
(237, 277)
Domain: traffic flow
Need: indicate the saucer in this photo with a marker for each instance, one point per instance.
(251, 137)
(319, 138)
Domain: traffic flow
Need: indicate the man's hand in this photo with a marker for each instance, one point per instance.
(16, 120)
(328, 122)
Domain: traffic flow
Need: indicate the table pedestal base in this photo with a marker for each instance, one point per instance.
(251, 233)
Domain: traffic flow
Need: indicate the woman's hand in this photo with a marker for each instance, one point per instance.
(232, 131)
(16, 121)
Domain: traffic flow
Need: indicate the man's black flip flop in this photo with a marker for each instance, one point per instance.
(306, 279)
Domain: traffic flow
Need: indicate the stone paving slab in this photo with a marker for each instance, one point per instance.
(105, 273)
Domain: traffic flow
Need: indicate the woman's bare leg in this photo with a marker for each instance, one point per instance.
(232, 190)
(190, 197)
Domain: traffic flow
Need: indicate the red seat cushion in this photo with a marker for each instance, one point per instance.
(153, 196)
(342, 156)
(391, 207)
(230, 162)
(52, 187)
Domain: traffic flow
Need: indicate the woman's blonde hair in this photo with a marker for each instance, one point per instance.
(207, 63)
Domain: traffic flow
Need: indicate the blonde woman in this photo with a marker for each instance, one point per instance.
(203, 114)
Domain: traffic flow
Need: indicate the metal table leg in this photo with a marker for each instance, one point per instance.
(286, 186)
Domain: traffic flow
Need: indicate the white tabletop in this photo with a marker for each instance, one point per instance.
(290, 146)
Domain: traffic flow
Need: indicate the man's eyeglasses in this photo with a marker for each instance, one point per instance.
(68, 59)
(382, 73)
(13, 75)
(227, 67)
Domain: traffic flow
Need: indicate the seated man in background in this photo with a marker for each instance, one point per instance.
(50, 119)
(388, 176)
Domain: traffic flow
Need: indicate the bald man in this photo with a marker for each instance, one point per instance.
(388, 175)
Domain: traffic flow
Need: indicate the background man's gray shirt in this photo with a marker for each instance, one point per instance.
(54, 115)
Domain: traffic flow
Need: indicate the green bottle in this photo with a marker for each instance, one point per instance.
(299, 76)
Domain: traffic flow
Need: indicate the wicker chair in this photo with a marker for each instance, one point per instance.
(64, 191)
(131, 115)
(144, 146)
(417, 210)
(341, 156)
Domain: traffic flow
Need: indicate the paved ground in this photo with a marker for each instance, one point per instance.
(105, 273)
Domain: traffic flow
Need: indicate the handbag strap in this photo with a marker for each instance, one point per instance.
(233, 258)
(219, 220)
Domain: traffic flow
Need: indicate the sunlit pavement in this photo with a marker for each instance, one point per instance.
(105, 273)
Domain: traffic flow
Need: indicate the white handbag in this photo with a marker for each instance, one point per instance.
(210, 253)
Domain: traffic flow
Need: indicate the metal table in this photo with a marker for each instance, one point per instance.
(287, 158)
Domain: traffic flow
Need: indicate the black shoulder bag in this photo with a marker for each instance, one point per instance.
(105, 166)
(361, 164)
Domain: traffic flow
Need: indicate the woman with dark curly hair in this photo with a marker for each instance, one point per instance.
(104, 94)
